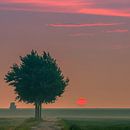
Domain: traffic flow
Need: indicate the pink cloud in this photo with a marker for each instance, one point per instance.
(64, 6)
(108, 12)
(50, 2)
(71, 6)
(118, 31)
(83, 25)
(81, 34)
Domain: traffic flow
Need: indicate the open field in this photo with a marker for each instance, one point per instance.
(10, 123)
(67, 124)
(78, 119)
(66, 113)
(96, 124)
(17, 123)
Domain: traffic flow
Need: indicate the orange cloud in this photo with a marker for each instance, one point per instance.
(83, 25)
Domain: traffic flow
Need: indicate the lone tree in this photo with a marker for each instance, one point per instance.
(37, 80)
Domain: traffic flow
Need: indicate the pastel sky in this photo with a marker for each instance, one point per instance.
(89, 38)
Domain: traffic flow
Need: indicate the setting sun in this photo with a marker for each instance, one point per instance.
(82, 101)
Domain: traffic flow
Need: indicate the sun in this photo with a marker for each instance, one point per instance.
(82, 101)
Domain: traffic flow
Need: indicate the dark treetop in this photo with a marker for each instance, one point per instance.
(37, 79)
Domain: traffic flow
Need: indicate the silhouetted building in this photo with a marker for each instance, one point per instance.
(12, 106)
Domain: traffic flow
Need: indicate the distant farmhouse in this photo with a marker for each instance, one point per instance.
(12, 106)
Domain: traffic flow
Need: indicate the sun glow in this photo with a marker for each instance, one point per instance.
(82, 101)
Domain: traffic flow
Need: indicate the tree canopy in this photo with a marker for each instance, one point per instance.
(37, 78)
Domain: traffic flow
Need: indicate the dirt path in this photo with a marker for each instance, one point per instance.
(49, 124)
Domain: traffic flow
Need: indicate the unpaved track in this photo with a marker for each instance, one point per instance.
(49, 124)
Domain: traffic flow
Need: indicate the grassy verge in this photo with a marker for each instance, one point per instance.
(17, 123)
(96, 124)
(10, 123)
(27, 124)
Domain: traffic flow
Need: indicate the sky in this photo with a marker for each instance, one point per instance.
(89, 38)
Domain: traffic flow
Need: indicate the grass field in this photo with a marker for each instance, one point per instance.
(68, 124)
(96, 124)
(17, 123)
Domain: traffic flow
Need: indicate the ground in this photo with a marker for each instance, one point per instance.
(65, 124)
(96, 124)
(17, 123)
(10, 123)
(49, 124)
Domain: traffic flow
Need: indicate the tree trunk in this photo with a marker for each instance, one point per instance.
(38, 107)
(36, 111)
(40, 111)
(39, 114)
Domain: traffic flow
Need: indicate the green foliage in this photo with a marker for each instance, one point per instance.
(37, 79)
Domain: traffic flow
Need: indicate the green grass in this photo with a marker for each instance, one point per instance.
(96, 124)
(27, 124)
(10, 123)
(17, 123)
